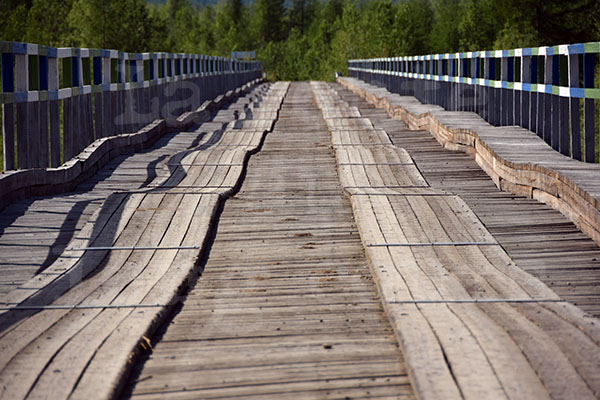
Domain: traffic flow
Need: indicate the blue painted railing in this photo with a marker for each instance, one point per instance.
(548, 90)
(56, 101)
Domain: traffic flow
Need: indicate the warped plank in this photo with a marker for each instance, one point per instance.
(502, 359)
(285, 303)
(86, 352)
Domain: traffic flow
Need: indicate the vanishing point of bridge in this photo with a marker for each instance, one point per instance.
(175, 227)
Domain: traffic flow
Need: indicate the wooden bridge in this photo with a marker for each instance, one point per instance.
(245, 239)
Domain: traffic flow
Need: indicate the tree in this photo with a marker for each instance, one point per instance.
(14, 25)
(172, 7)
(309, 39)
(347, 42)
(301, 13)
(185, 29)
(235, 9)
(270, 15)
(206, 28)
(548, 22)
(93, 24)
(231, 31)
(444, 36)
(412, 27)
(478, 25)
(377, 27)
(41, 22)
(159, 29)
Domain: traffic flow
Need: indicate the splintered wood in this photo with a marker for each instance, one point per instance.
(71, 331)
(472, 324)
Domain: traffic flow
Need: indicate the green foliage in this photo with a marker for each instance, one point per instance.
(41, 22)
(14, 24)
(105, 24)
(478, 26)
(270, 15)
(444, 34)
(184, 33)
(301, 14)
(308, 39)
(414, 20)
(159, 29)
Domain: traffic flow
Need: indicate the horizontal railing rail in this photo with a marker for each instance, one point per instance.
(57, 101)
(551, 91)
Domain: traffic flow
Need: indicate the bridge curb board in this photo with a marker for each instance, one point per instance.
(559, 181)
(24, 183)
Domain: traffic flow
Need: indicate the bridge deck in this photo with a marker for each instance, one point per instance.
(285, 306)
(517, 159)
(34, 232)
(538, 238)
(143, 240)
(292, 300)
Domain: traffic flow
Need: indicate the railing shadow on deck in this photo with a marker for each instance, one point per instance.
(113, 206)
(58, 102)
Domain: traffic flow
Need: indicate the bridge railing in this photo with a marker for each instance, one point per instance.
(548, 90)
(56, 101)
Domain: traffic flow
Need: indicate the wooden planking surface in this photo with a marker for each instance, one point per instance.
(222, 177)
(539, 239)
(462, 350)
(85, 353)
(381, 166)
(285, 306)
(34, 232)
(516, 159)
(33, 363)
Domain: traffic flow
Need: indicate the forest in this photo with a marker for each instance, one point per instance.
(301, 39)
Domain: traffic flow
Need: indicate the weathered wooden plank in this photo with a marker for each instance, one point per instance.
(192, 219)
(554, 114)
(44, 142)
(8, 136)
(445, 273)
(557, 182)
(55, 134)
(64, 215)
(68, 129)
(99, 117)
(127, 276)
(32, 142)
(277, 268)
(22, 137)
(89, 120)
(87, 340)
(79, 132)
